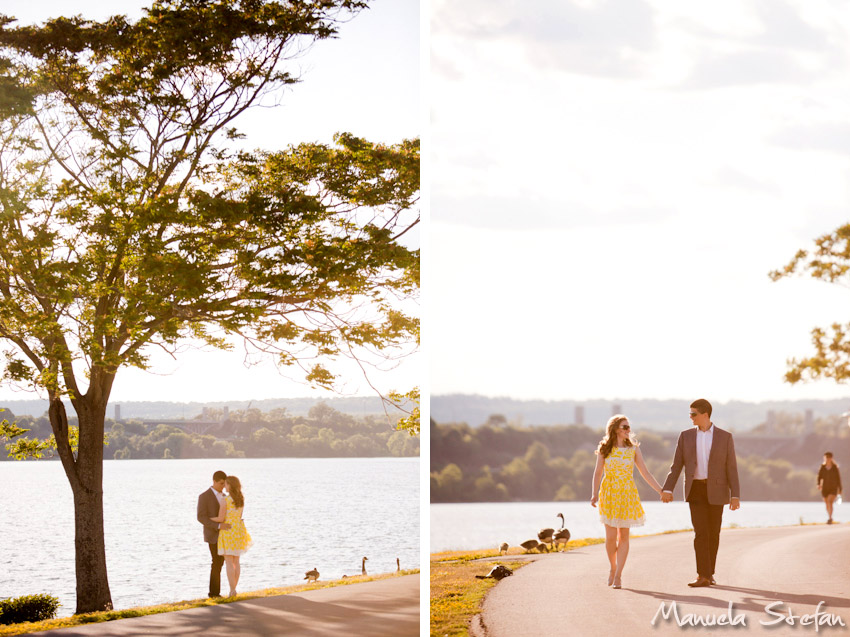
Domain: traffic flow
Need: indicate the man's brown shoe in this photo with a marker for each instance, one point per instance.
(700, 582)
(712, 581)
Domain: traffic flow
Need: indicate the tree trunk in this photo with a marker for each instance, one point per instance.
(85, 473)
(92, 582)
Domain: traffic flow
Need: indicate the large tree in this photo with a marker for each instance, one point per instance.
(828, 261)
(129, 221)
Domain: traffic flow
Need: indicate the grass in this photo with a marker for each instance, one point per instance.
(140, 611)
(456, 596)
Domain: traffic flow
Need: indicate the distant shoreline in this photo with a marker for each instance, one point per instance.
(649, 414)
(359, 405)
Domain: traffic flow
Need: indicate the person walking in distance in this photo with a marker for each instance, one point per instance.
(209, 503)
(829, 483)
(707, 453)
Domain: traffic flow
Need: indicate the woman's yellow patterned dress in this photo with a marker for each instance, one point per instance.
(235, 540)
(619, 502)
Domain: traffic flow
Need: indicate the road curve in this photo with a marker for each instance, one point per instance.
(567, 594)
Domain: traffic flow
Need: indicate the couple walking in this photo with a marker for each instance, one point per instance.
(707, 454)
(224, 529)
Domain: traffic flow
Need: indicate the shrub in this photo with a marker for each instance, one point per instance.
(29, 608)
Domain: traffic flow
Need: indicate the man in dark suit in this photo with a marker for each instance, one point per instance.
(208, 505)
(711, 480)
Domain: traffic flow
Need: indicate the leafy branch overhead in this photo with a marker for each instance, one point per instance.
(829, 261)
(409, 403)
(22, 447)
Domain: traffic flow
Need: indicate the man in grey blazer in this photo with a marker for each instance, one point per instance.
(208, 505)
(707, 454)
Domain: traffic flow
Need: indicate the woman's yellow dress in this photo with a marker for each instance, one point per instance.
(235, 540)
(619, 502)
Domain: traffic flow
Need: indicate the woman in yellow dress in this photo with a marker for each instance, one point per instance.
(619, 503)
(234, 541)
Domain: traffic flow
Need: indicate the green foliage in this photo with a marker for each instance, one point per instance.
(22, 447)
(129, 223)
(294, 271)
(480, 465)
(324, 432)
(408, 403)
(401, 444)
(449, 484)
(29, 608)
(25, 448)
(775, 479)
(829, 261)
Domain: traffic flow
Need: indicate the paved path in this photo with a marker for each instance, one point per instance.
(567, 594)
(381, 608)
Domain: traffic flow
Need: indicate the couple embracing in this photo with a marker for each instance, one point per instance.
(706, 452)
(224, 530)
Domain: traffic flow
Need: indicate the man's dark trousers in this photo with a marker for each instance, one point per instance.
(707, 519)
(215, 571)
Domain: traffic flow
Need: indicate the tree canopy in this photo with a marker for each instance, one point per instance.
(829, 261)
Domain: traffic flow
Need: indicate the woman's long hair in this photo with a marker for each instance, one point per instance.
(610, 439)
(234, 489)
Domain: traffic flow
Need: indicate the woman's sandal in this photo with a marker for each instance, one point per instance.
(618, 583)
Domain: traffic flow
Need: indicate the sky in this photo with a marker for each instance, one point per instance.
(367, 82)
(612, 182)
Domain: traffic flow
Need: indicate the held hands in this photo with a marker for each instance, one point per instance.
(666, 497)
(224, 526)
(735, 504)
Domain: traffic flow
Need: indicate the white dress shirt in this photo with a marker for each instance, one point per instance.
(220, 497)
(704, 440)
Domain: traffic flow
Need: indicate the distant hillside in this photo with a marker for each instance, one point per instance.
(503, 463)
(189, 410)
(659, 415)
(245, 433)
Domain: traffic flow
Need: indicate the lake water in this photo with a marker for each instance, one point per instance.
(484, 525)
(302, 513)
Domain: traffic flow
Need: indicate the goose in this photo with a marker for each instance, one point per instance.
(562, 535)
(542, 546)
(546, 535)
(312, 575)
(529, 544)
(497, 573)
(503, 548)
(363, 568)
